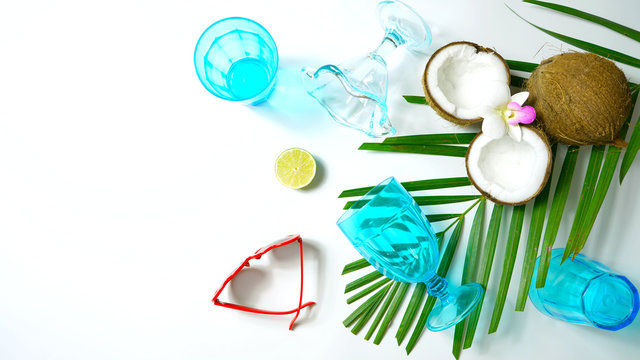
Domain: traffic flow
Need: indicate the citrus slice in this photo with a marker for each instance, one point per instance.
(295, 168)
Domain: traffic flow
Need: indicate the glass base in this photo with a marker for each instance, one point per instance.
(462, 301)
(403, 25)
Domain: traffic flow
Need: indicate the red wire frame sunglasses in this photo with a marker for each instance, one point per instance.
(257, 255)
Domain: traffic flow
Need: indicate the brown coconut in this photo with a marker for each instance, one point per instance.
(434, 104)
(580, 99)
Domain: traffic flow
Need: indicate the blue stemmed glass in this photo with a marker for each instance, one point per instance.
(388, 228)
(236, 59)
(355, 92)
(584, 291)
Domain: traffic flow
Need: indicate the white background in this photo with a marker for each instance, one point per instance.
(128, 192)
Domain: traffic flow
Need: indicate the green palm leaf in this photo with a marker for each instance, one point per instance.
(442, 150)
(443, 268)
(584, 45)
(521, 65)
(533, 241)
(469, 270)
(624, 30)
(428, 200)
(416, 99)
(393, 309)
(356, 265)
(515, 229)
(484, 272)
(555, 213)
(412, 309)
(634, 142)
(595, 164)
(415, 186)
(432, 139)
(383, 310)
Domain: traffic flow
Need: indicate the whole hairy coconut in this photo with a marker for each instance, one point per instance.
(580, 99)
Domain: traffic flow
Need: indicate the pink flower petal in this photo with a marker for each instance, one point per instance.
(520, 115)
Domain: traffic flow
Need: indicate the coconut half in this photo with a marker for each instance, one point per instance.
(507, 171)
(461, 78)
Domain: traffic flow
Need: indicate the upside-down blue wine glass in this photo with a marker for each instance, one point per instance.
(388, 228)
(236, 59)
(355, 92)
(584, 291)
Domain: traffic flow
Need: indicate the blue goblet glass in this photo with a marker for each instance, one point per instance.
(236, 59)
(584, 291)
(388, 228)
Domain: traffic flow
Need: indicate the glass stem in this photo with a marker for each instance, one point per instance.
(385, 48)
(438, 287)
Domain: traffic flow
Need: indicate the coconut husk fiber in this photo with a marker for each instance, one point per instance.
(580, 99)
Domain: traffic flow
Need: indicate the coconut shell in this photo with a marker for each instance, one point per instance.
(542, 185)
(580, 99)
(434, 105)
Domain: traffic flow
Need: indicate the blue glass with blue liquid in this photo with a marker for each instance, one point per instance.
(236, 59)
(584, 291)
(388, 228)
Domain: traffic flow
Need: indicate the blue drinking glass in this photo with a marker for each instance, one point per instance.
(584, 291)
(388, 228)
(236, 59)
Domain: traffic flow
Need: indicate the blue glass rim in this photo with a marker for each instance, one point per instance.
(269, 39)
(634, 311)
(364, 201)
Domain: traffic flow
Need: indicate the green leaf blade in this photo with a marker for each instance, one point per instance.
(420, 100)
(432, 139)
(428, 200)
(410, 314)
(419, 185)
(619, 28)
(443, 268)
(362, 321)
(442, 150)
(533, 242)
(484, 272)
(555, 212)
(584, 45)
(374, 275)
(383, 310)
(367, 291)
(393, 310)
(634, 143)
(513, 239)
(354, 266)
(521, 65)
(586, 194)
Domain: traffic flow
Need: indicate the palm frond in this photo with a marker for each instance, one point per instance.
(619, 28)
(584, 45)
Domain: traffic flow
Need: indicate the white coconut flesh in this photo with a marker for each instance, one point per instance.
(509, 171)
(463, 80)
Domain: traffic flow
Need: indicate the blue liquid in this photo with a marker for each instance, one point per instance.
(393, 235)
(248, 77)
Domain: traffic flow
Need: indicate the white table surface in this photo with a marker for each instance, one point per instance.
(128, 192)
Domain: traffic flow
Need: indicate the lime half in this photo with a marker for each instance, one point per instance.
(295, 168)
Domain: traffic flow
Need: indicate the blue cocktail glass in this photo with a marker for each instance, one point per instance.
(388, 228)
(584, 291)
(236, 59)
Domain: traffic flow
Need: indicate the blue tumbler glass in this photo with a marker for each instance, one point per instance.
(236, 59)
(388, 228)
(584, 291)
